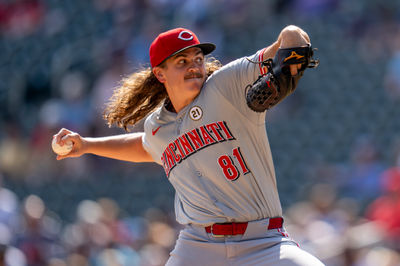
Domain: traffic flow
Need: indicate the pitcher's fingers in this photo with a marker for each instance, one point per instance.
(74, 137)
(61, 157)
(73, 153)
(293, 70)
(61, 134)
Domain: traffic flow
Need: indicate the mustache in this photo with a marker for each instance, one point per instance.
(193, 75)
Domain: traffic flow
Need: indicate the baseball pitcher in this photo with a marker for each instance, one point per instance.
(205, 124)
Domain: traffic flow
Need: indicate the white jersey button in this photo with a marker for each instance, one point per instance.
(179, 120)
(198, 173)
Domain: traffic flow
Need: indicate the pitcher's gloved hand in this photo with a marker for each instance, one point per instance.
(270, 89)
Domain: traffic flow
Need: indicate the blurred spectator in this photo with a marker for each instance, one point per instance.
(312, 8)
(38, 235)
(392, 76)
(333, 229)
(14, 151)
(318, 223)
(137, 50)
(103, 88)
(9, 211)
(75, 105)
(371, 18)
(14, 257)
(385, 209)
(361, 180)
(20, 18)
(99, 236)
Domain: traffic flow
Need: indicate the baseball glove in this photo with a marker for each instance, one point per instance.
(278, 83)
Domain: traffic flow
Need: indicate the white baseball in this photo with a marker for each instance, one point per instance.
(62, 150)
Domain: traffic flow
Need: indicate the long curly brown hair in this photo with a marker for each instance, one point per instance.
(139, 94)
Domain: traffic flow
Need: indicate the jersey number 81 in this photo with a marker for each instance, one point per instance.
(228, 166)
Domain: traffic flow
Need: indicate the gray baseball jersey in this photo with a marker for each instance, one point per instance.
(215, 151)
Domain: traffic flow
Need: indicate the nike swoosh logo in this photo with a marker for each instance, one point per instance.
(293, 55)
(154, 131)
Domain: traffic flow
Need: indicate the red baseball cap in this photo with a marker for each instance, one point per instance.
(174, 41)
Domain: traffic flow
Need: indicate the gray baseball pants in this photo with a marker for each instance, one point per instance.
(257, 246)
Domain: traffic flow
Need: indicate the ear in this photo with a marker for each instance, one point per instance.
(159, 73)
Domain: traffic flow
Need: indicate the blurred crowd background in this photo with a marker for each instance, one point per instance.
(335, 142)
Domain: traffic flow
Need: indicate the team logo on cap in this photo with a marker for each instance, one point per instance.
(195, 113)
(187, 37)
